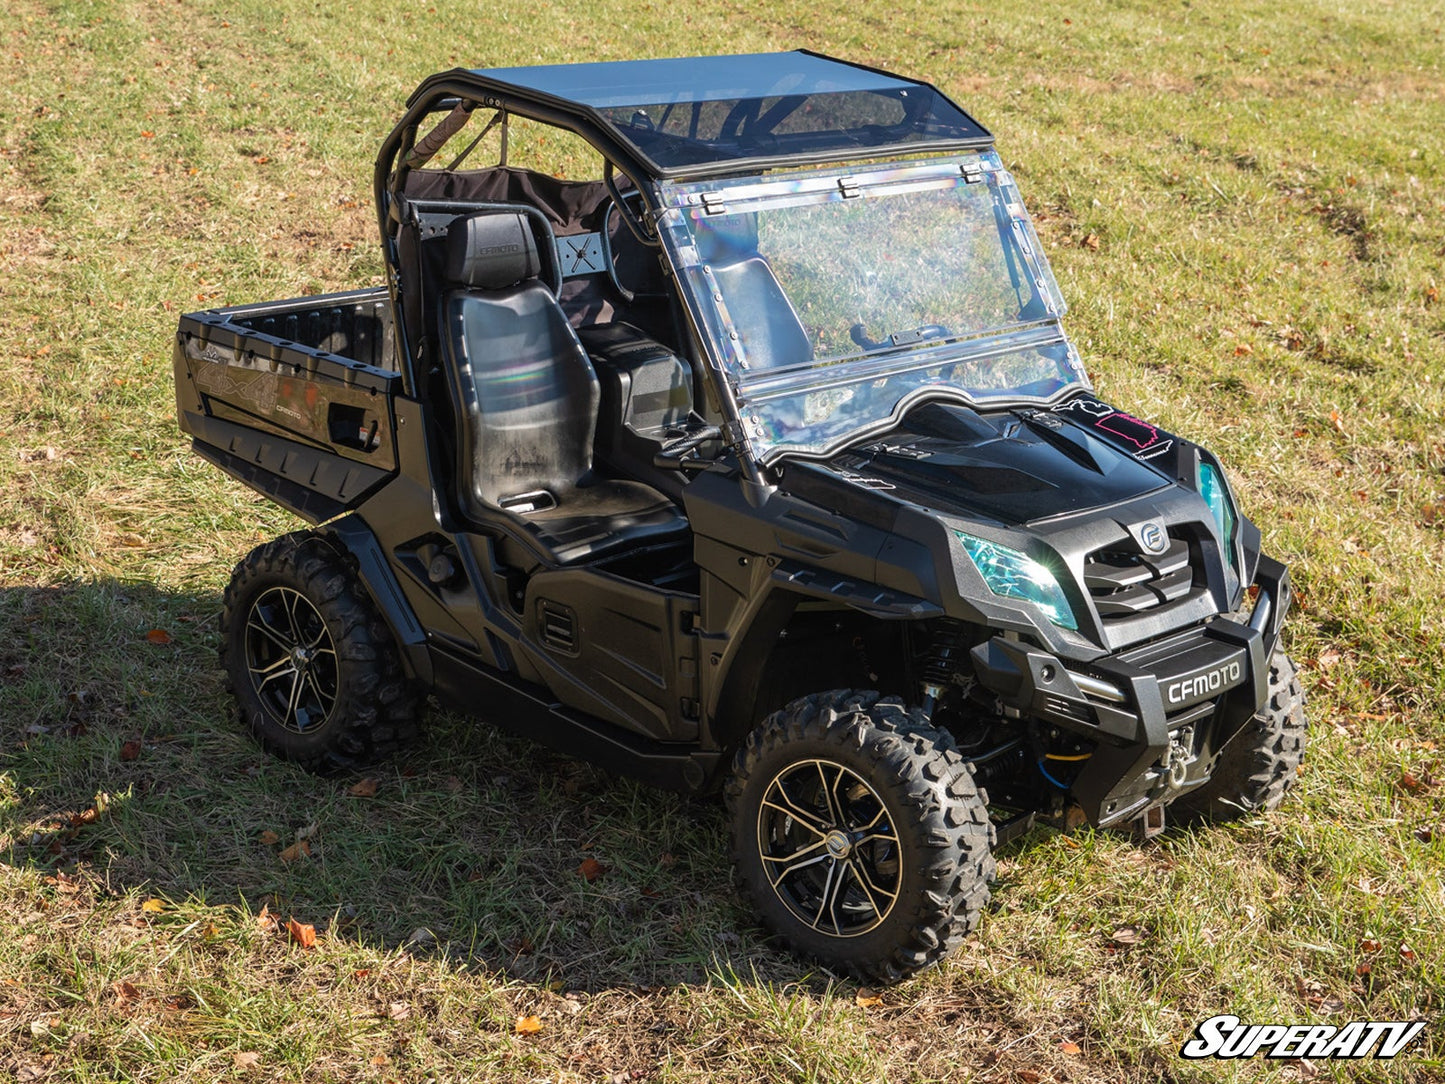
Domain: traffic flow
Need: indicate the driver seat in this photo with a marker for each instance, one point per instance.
(527, 400)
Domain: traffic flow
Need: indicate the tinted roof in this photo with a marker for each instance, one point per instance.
(694, 112)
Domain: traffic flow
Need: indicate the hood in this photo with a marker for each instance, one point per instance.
(1011, 467)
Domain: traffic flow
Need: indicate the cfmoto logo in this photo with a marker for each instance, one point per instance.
(1152, 538)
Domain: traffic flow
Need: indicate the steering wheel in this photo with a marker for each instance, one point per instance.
(859, 334)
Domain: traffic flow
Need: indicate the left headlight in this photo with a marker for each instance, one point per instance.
(1011, 574)
(1212, 489)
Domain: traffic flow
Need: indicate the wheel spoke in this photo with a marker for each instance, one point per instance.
(258, 624)
(293, 701)
(291, 598)
(322, 701)
(271, 667)
(830, 898)
(804, 864)
(872, 891)
(806, 817)
(795, 854)
(885, 836)
(834, 809)
(882, 812)
(273, 675)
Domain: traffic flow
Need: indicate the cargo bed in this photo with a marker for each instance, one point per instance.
(294, 397)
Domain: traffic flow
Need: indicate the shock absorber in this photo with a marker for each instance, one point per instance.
(940, 664)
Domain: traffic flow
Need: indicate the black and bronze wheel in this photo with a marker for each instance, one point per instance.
(312, 666)
(859, 833)
(291, 659)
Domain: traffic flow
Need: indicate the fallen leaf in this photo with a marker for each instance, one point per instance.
(667, 860)
(1370, 945)
(246, 1059)
(453, 784)
(1243, 350)
(301, 933)
(1407, 954)
(1337, 421)
(269, 837)
(527, 1025)
(361, 973)
(125, 992)
(1425, 834)
(1070, 1047)
(379, 1060)
(1091, 242)
(299, 849)
(867, 997)
(366, 788)
(88, 816)
(1409, 782)
(153, 905)
(130, 750)
(591, 869)
(158, 636)
(1128, 935)
(398, 1010)
(265, 921)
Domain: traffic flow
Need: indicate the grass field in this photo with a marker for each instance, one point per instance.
(1243, 202)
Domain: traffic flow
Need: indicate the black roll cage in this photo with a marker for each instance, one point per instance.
(468, 90)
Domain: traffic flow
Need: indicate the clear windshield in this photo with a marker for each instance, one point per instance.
(834, 300)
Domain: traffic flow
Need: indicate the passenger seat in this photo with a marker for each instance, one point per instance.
(527, 401)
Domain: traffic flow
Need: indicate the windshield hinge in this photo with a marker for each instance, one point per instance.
(713, 204)
(972, 172)
(849, 187)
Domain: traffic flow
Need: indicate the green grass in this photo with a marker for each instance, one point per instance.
(1243, 204)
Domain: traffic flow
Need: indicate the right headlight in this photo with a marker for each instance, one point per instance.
(1011, 574)
(1212, 489)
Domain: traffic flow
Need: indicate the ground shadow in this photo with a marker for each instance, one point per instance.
(126, 764)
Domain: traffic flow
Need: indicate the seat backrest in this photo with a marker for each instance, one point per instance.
(525, 391)
(767, 325)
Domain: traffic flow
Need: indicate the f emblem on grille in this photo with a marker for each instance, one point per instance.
(1153, 538)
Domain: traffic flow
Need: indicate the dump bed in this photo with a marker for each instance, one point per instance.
(294, 398)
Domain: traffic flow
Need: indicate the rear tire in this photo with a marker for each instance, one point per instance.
(313, 667)
(1260, 763)
(858, 832)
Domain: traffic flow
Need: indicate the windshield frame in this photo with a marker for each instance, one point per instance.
(752, 389)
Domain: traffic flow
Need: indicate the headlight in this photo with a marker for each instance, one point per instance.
(1011, 574)
(1211, 488)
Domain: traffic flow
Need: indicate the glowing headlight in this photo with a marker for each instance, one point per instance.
(1011, 574)
(1211, 488)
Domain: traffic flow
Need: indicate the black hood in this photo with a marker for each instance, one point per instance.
(1012, 467)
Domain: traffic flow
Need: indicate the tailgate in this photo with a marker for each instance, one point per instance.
(298, 421)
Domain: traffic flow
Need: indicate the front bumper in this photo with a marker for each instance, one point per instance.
(1159, 713)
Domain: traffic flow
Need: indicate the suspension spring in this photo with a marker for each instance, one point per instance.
(940, 665)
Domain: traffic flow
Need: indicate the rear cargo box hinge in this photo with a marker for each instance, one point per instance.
(972, 174)
(713, 204)
(849, 187)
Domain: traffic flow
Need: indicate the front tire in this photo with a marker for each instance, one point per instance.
(858, 832)
(1260, 763)
(315, 672)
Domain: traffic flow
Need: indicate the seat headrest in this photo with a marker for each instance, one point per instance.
(489, 251)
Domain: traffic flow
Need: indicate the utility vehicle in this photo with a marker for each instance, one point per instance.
(758, 461)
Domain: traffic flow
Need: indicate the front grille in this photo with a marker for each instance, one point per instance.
(1124, 583)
